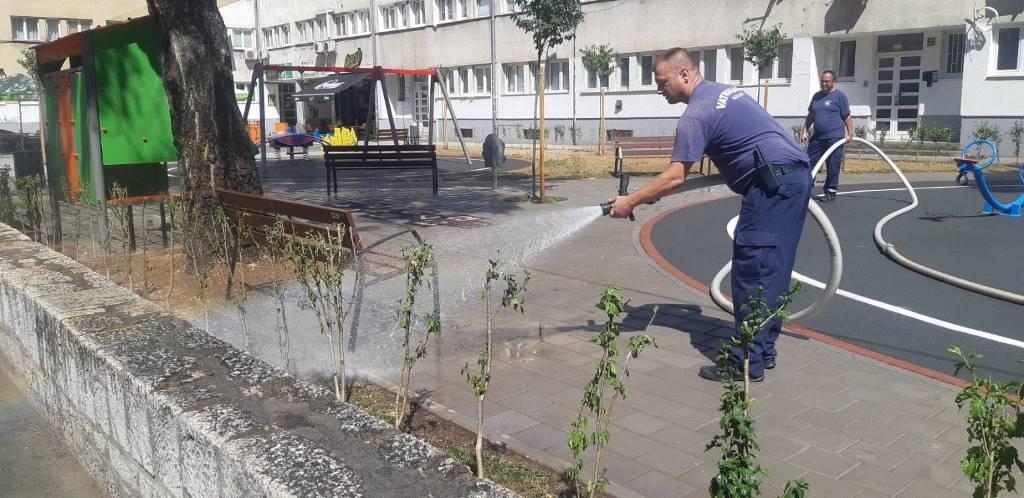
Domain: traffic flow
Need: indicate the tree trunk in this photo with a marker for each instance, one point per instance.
(213, 146)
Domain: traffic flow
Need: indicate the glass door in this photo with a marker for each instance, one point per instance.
(898, 93)
(421, 96)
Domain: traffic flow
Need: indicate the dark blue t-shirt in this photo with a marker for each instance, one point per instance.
(829, 111)
(726, 124)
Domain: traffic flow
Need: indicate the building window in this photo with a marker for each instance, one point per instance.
(387, 17)
(364, 21)
(954, 55)
(241, 39)
(25, 28)
(512, 6)
(52, 29)
(557, 76)
(401, 88)
(592, 82)
(515, 78)
(444, 10)
(901, 43)
(483, 8)
(647, 70)
(417, 14)
(464, 81)
(268, 37)
(321, 27)
(710, 64)
(736, 64)
(847, 59)
(482, 75)
(463, 8)
(624, 73)
(694, 57)
(1008, 49)
(78, 25)
(784, 65)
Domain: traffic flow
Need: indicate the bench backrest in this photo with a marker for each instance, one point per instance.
(385, 154)
(300, 218)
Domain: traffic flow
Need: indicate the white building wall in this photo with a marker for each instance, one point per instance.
(990, 95)
(642, 26)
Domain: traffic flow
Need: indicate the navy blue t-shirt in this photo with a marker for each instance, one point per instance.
(829, 111)
(726, 124)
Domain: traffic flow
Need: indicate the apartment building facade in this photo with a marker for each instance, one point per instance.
(902, 64)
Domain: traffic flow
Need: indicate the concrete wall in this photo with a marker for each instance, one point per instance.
(155, 407)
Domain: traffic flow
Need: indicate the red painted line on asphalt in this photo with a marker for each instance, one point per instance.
(648, 244)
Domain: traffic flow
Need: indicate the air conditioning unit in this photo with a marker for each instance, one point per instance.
(318, 47)
(250, 55)
(331, 46)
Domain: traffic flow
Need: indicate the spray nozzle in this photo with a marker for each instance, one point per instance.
(606, 207)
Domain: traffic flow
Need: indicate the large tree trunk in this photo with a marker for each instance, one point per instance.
(213, 146)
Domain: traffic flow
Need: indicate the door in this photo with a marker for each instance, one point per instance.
(897, 93)
(421, 96)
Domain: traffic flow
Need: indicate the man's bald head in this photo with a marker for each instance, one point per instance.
(676, 75)
(677, 58)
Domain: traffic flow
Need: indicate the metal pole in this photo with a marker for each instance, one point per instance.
(541, 82)
(430, 108)
(455, 122)
(373, 34)
(494, 92)
(92, 120)
(21, 126)
(263, 120)
(379, 73)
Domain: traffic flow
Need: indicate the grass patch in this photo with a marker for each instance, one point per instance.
(500, 469)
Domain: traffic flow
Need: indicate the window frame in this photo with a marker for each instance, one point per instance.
(995, 50)
(840, 76)
(478, 70)
(731, 52)
(441, 7)
(521, 81)
(49, 22)
(25, 23)
(644, 73)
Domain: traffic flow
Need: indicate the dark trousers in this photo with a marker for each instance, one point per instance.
(763, 254)
(815, 148)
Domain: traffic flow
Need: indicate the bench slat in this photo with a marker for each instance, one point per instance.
(378, 157)
(359, 147)
(291, 209)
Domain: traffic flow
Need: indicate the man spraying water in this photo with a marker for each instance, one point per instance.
(758, 160)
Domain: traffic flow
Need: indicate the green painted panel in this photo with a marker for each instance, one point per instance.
(135, 119)
(55, 168)
(79, 112)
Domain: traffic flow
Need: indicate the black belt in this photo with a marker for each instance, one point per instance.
(782, 169)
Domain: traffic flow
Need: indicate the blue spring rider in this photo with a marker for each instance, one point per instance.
(966, 165)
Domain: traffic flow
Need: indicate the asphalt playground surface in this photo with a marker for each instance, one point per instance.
(947, 232)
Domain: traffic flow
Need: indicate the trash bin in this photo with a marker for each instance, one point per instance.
(28, 162)
(494, 151)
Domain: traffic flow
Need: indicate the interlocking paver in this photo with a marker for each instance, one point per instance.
(541, 436)
(877, 478)
(876, 454)
(654, 484)
(825, 439)
(824, 462)
(669, 460)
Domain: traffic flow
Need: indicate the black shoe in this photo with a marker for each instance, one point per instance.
(829, 197)
(710, 372)
(769, 363)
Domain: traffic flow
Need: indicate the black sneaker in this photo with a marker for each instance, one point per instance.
(829, 197)
(769, 363)
(710, 372)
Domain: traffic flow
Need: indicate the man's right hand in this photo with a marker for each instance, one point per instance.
(803, 136)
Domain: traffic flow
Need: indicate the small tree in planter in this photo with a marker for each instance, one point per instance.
(550, 22)
(610, 374)
(738, 472)
(511, 298)
(119, 210)
(994, 420)
(600, 61)
(1016, 133)
(272, 251)
(761, 47)
(418, 258)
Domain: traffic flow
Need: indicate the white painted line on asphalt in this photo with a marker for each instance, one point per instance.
(913, 314)
(867, 191)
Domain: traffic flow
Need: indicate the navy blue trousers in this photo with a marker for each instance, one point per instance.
(763, 254)
(815, 148)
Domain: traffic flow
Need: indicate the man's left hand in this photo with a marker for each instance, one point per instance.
(621, 207)
(849, 138)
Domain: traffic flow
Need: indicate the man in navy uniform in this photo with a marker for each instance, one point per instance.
(829, 112)
(732, 129)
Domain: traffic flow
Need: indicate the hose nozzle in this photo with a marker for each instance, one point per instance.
(606, 207)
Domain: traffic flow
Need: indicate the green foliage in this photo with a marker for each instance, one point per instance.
(797, 131)
(987, 131)
(1016, 133)
(119, 209)
(795, 489)
(30, 203)
(994, 419)
(6, 197)
(599, 59)
(271, 250)
(609, 375)
(549, 22)
(935, 134)
(319, 262)
(418, 258)
(27, 60)
(738, 472)
(860, 131)
(511, 298)
(761, 46)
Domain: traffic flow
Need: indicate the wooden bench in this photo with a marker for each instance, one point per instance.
(645, 147)
(300, 219)
(384, 135)
(378, 157)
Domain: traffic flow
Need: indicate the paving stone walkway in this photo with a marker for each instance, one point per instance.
(849, 425)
